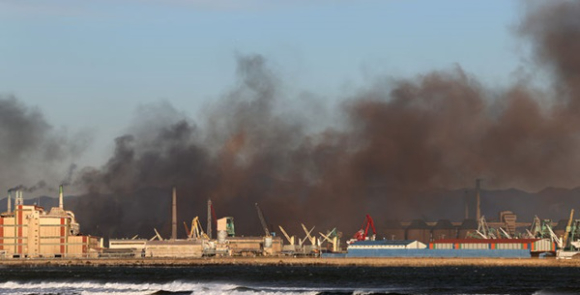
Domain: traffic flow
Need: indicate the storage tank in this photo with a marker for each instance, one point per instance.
(393, 230)
(419, 230)
(444, 230)
(469, 226)
(221, 236)
(268, 242)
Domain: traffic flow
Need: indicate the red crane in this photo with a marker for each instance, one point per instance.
(362, 234)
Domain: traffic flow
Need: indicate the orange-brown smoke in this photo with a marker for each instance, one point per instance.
(399, 140)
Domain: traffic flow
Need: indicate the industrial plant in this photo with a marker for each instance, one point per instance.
(28, 231)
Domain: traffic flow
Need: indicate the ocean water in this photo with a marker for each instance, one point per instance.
(288, 280)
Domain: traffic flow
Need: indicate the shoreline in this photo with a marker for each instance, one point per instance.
(290, 261)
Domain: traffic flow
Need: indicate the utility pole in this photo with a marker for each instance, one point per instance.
(209, 218)
(478, 197)
(174, 216)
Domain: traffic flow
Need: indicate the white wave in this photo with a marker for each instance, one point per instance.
(94, 287)
(91, 287)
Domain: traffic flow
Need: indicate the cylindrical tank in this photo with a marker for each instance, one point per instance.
(393, 230)
(268, 242)
(467, 229)
(221, 236)
(444, 229)
(419, 230)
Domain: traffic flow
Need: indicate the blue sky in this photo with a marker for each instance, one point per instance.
(90, 64)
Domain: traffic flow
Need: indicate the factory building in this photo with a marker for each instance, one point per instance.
(197, 244)
(28, 232)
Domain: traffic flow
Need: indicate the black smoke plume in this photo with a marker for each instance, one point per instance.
(31, 150)
(399, 141)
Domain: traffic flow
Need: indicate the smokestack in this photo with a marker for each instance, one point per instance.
(18, 199)
(60, 198)
(478, 197)
(466, 201)
(174, 217)
(9, 206)
(209, 218)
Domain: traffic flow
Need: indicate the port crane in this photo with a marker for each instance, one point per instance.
(309, 236)
(263, 221)
(362, 234)
(306, 238)
(156, 236)
(332, 237)
(484, 231)
(566, 237)
(288, 237)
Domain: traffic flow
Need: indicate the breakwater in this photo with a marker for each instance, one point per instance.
(307, 261)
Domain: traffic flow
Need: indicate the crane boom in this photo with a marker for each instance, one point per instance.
(157, 234)
(363, 233)
(326, 238)
(263, 221)
(286, 235)
(554, 237)
(371, 223)
(568, 229)
(308, 234)
(187, 232)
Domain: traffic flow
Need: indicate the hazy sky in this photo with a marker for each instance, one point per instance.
(90, 64)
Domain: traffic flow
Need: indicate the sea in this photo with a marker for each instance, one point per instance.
(289, 280)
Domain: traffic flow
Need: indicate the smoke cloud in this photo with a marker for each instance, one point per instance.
(31, 150)
(399, 140)
(401, 137)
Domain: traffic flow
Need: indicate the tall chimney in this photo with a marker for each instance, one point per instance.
(209, 218)
(60, 198)
(174, 216)
(478, 197)
(18, 199)
(9, 207)
(466, 201)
